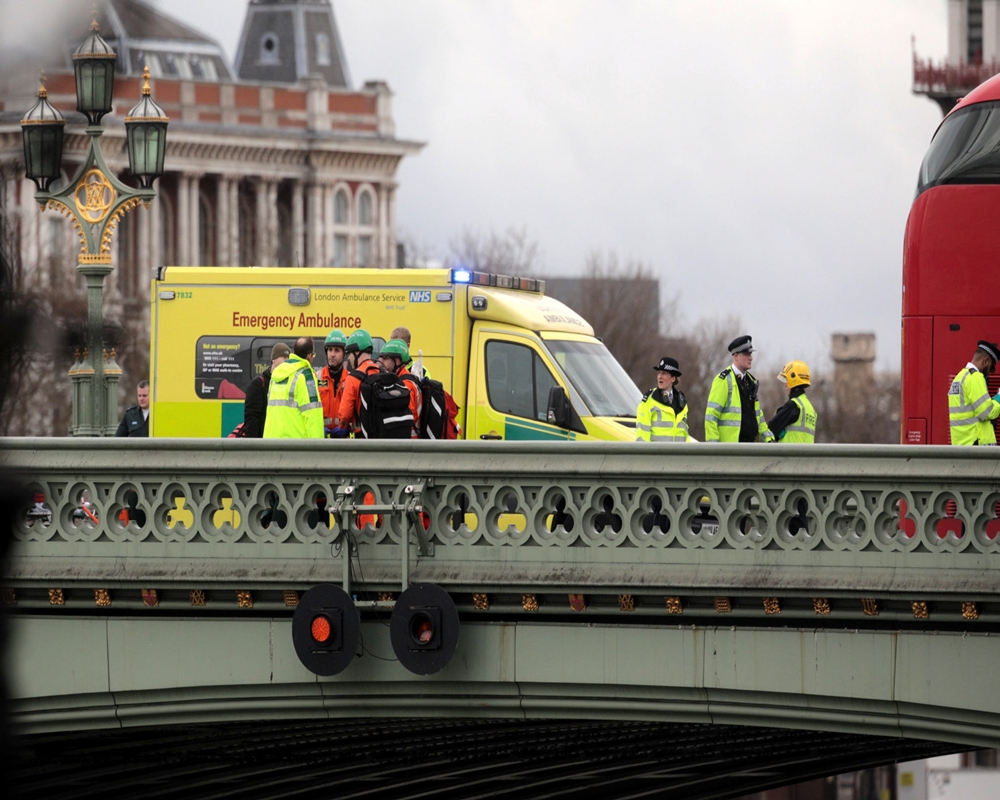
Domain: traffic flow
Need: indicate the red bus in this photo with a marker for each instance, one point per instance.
(951, 262)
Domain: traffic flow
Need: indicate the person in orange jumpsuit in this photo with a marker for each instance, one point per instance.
(330, 379)
(359, 360)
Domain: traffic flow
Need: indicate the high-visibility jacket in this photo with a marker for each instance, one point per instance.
(350, 402)
(331, 392)
(803, 430)
(294, 410)
(970, 409)
(659, 422)
(724, 414)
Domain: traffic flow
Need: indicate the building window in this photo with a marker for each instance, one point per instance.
(169, 64)
(196, 68)
(269, 49)
(340, 250)
(364, 251)
(365, 209)
(341, 208)
(322, 50)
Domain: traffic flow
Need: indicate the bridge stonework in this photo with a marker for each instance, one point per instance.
(825, 588)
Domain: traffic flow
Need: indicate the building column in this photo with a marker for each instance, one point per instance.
(233, 232)
(298, 227)
(182, 246)
(390, 223)
(223, 210)
(991, 30)
(330, 251)
(260, 225)
(272, 223)
(194, 209)
(383, 258)
(314, 235)
(958, 38)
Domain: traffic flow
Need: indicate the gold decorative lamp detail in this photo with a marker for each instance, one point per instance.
(96, 200)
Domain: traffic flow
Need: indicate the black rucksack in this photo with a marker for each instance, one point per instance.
(385, 406)
(438, 412)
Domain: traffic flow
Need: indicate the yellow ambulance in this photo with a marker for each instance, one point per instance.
(519, 364)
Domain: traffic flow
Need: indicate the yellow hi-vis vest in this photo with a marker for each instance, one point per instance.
(657, 422)
(294, 410)
(803, 430)
(724, 414)
(970, 409)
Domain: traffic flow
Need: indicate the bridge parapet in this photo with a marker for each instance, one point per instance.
(807, 530)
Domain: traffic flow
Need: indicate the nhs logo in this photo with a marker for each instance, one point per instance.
(417, 296)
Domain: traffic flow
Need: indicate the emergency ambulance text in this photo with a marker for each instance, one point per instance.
(265, 322)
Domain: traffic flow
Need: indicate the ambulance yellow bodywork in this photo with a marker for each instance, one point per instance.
(498, 344)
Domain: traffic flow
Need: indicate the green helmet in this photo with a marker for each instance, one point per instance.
(397, 348)
(335, 338)
(360, 341)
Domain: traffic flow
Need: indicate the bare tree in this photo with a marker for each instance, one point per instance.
(513, 253)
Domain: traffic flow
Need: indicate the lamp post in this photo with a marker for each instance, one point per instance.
(96, 201)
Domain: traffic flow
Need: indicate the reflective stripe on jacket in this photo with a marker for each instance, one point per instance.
(803, 430)
(658, 422)
(294, 410)
(724, 413)
(970, 409)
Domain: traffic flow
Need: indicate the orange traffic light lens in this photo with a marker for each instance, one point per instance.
(421, 629)
(321, 629)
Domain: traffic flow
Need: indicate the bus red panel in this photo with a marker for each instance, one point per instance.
(955, 340)
(916, 401)
(951, 252)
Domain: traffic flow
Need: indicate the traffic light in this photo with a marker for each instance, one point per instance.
(424, 628)
(325, 629)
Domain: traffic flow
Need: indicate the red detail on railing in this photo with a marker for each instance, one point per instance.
(931, 78)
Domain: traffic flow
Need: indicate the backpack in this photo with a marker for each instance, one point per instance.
(385, 406)
(439, 412)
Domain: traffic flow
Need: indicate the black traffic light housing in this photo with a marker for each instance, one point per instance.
(424, 628)
(325, 629)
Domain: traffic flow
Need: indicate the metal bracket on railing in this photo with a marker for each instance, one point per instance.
(410, 507)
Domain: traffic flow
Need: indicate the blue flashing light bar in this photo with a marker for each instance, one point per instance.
(461, 276)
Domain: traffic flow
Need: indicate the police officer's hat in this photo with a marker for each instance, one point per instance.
(670, 365)
(992, 349)
(741, 344)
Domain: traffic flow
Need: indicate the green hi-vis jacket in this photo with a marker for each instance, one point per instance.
(724, 414)
(803, 430)
(658, 422)
(294, 410)
(970, 409)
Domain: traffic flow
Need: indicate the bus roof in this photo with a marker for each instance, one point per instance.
(986, 91)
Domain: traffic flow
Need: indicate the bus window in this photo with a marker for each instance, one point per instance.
(966, 149)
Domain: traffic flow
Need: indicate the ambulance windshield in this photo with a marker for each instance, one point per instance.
(604, 386)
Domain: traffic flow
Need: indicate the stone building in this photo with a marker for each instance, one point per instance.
(276, 163)
(973, 53)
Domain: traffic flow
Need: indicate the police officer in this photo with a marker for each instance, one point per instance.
(970, 407)
(135, 421)
(331, 378)
(394, 356)
(663, 411)
(360, 363)
(733, 413)
(294, 410)
(795, 421)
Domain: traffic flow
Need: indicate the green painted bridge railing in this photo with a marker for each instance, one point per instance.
(828, 588)
(826, 532)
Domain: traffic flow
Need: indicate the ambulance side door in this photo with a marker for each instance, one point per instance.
(510, 378)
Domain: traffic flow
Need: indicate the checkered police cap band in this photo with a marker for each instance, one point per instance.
(742, 348)
(990, 352)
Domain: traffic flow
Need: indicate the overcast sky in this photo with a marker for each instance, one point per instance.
(760, 156)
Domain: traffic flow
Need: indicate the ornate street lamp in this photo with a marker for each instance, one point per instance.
(96, 201)
(43, 141)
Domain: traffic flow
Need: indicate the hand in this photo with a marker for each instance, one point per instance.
(339, 433)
